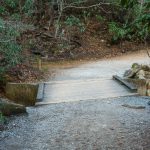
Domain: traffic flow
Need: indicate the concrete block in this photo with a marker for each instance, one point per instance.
(22, 93)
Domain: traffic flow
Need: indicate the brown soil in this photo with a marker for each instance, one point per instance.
(92, 44)
(24, 73)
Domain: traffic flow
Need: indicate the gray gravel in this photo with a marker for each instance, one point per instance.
(86, 125)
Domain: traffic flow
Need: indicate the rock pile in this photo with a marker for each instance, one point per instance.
(138, 72)
(140, 76)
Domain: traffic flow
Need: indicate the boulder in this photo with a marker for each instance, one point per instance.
(8, 108)
(145, 68)
(141, 74)
(144, 87)
(131, 73)
(147, 74)
(135, 66)
(22, 93)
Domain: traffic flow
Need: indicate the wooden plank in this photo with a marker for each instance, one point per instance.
(40, 94)
(129, 85)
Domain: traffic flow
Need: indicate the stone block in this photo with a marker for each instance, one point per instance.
(8, 108)
(22, 93)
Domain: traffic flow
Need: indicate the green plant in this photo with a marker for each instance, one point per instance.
(86, 15)
(74, 21)
(128, 3)
(11, 3)
(17, 7)
(100, 18)
(16, 17)
(10, 51)
(2, 10)
(136, 21)
(28, 7)
(118, 32)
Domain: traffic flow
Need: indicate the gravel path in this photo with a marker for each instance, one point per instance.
(96, 124)
(102, 124)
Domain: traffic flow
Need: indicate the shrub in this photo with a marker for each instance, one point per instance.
(74, 21)
(136, 21)
(15, 6)
(10, 51)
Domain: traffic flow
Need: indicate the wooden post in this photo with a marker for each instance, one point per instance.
(39, 64)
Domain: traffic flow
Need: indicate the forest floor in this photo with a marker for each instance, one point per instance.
(94, 43)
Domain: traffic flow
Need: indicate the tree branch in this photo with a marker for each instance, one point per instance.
(86, 7)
